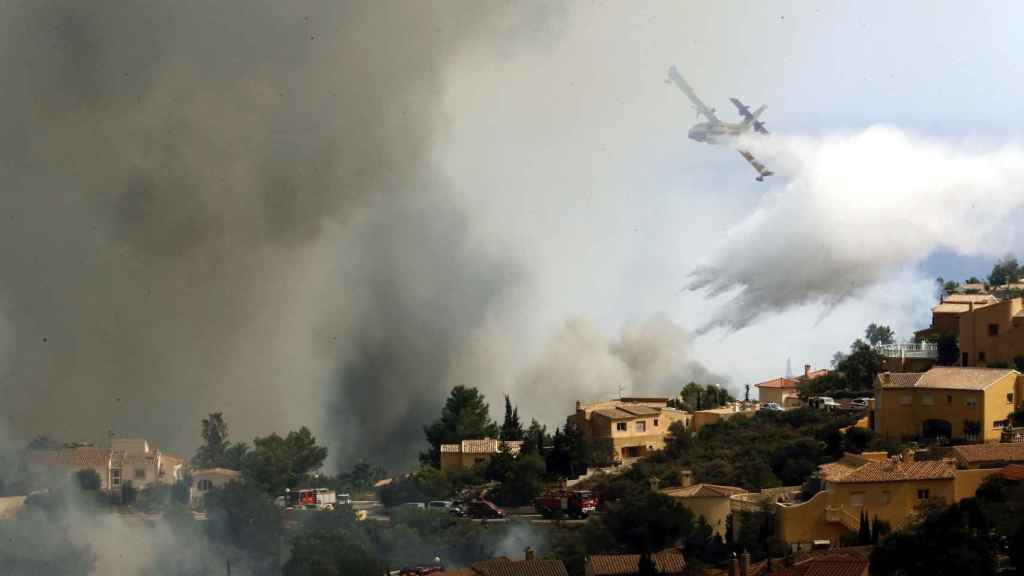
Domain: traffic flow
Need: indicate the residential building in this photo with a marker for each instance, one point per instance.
(206, 479)
(628, 427)
(972, 404)
(668, 562)
(993, 335)
(702, 418)
(891, 489)
(470, 453)
(988, 455)
(946, 314)
(708, 500)
(786, 391)
(127, 460)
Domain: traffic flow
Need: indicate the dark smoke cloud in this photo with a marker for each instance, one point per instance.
(231, 206)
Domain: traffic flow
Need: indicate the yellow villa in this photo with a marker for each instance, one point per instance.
(628, 427)
(972, 404)
(708, 500)
(992, 335)
(891, 489)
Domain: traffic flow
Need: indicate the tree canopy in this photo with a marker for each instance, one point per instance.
(879, 334)
(465, 415)
(1005, 271)
(276, 463)
(511, 428)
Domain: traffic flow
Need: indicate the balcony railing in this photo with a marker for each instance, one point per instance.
(909, 350)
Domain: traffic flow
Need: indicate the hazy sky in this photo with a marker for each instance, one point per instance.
(329, 214)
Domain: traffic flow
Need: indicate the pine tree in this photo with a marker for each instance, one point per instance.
(511, 429)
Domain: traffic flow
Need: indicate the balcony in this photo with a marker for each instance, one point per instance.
(909, 350)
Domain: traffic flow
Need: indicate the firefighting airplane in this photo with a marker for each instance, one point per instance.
(714, 131)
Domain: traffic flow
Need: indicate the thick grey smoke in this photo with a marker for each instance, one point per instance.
(651, 358)
(854, 208)
(186, 185)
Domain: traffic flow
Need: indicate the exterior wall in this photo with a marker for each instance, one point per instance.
(967, 482)
(705, 417)
(1002, 348)
(218, 480)
(946, 323)
(806, 522)
(459, 461)
(777, 395)
(714, 509)
(902, 498)
(1000, 399)
(896, 420)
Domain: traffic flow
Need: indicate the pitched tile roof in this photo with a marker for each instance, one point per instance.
(703, 491)
(893, 470)
(481, 446)
(76, 458)
(840, 468)
(1002, 452)
(506, 567)
(778, 383)
(1013, 472)
(946, 378)
(668, 562)
(833, 565)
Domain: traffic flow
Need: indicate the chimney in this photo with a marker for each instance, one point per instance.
(744, 563)
(734, 566)
(529, 554)
(807, 371)
(685, 478)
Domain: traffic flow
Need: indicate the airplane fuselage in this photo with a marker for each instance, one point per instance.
(717, 133)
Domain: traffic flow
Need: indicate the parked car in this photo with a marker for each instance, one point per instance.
(860, 403)
(410, 506)
(483, 509)
(822, 403)
(440, 505)
(772, 407)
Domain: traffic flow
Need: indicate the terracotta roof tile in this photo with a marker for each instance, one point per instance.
(1013, 472)
(627, 564)
(506, 567)
(833, 565)
(704, 491)
(946, 378)
(893, 470)
(1003, 452)
(76, 458)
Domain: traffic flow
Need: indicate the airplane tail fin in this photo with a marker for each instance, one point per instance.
(752, 119)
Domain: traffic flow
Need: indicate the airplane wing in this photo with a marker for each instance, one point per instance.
(747, 115)
(708, 113)
(762, 171)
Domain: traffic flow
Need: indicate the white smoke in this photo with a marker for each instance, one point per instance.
(854, 209)
(651, 358)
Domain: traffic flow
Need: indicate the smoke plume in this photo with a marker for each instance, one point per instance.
(855, 208)
(651, 358)
(232, 208)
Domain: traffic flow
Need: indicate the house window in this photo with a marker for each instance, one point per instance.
(857, 499)
(964, 359)
(884, 498)
(981, 357)
(620, 426)
(927, 400)
(993, 329)
(641, 426)
(922, 494)
(115, 477)
(140, 473)
(949, 399)
(971, 402)
(204, 485)
(1009, 398)
(906, 400)
(999, 424)
(655, 422)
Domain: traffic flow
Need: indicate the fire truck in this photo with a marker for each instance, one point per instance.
(311, 499)
(572, 503)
